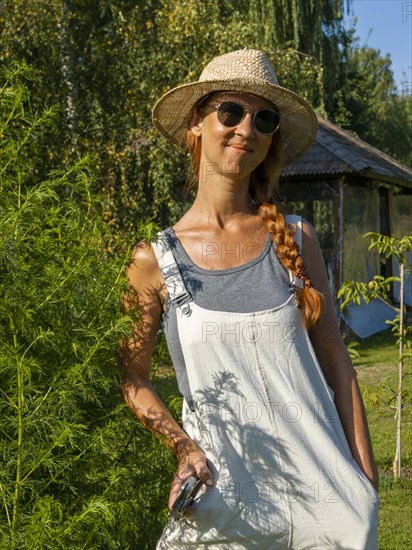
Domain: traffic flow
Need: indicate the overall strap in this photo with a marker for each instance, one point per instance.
(296, 283)
(175, 285)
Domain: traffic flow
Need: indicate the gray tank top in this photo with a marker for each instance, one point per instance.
(259, 284)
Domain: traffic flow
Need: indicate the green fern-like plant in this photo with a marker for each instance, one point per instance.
(75, 467)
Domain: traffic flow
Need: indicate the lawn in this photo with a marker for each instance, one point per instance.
(378, 377)
(377, 374)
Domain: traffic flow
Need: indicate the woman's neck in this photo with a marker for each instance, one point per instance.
(223, 200)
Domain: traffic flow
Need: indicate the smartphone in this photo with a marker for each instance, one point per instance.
(189, 489)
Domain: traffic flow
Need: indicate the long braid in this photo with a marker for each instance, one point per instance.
(309, 299)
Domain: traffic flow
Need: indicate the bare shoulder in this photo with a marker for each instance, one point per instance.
(143, 264)
(309, 236)
(310, 242)
(143, 270)
(313, 258)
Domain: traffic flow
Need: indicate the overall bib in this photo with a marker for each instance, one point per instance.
(266, 420)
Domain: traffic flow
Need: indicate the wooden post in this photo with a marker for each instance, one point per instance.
(397, 465)
(337, 236)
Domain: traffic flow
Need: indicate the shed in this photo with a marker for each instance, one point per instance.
(346, 188)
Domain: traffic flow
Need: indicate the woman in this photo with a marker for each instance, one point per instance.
(273, 421)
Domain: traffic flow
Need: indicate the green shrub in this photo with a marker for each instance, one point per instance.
(77, 471)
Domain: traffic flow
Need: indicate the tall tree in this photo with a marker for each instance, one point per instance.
(372, 107)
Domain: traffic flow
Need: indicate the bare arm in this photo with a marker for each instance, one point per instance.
(336, 363)
(136, 354)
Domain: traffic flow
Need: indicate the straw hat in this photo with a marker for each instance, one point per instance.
(245, 71)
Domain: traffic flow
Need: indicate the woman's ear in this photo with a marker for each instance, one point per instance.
(196, 124)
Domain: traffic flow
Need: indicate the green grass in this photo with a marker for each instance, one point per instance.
(377, 370)
(378, 349)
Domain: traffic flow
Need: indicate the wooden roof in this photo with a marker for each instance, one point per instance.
(337, 152)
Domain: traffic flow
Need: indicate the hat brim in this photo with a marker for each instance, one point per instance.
(298, 124)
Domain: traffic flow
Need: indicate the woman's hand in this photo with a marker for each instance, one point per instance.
(191, 460)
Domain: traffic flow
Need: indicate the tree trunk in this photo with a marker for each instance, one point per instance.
(67, 71)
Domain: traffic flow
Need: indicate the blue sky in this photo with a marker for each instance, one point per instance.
(387, 26)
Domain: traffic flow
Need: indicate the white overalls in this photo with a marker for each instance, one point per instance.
(266, 419)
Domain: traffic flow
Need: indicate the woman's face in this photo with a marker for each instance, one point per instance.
(232, 152)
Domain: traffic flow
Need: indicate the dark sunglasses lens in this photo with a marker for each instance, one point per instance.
(230, 113)
(267, 121)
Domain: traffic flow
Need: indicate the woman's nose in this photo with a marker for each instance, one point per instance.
(245, 126)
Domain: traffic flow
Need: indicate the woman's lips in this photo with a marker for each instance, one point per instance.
(239, 149)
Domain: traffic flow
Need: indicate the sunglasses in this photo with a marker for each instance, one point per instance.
(230, 114)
